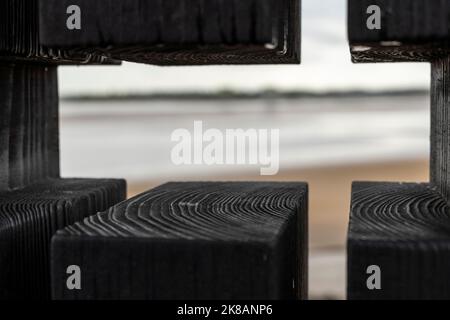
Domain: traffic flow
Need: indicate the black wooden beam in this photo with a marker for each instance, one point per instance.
(34, 201)
(410, 30)
(177, 32)
(440, 120)
(191, 241)
(20, 42)
(404, 229)
(29, 217)
(29, 133)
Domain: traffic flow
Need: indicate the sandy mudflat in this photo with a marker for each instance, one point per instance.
(327, 275)
(329, 192)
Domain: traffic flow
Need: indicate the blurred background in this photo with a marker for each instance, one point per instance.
(338, 123)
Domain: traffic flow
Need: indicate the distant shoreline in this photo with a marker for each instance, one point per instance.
(232, 95)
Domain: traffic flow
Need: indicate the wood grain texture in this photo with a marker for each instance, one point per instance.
(370, 53)
(34, 201)
(19, 38)
(411, 30)
(29, 133)
(199, 240)
(28, 219)
(178, 32)
(440, 120)
(405, 230)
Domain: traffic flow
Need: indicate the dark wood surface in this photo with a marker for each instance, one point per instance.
(207, 240)
(178, 32)
(28, 219)
(405, 230)
(170, 32)
(34, 201)
(411, 30)
(440, 120)
(29, 135)
(149, 22)
(20, 42)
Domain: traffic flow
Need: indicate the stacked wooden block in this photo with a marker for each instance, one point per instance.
(30, 216)
(191, 241)
(34, 201)
(20, 37)
(181, 240)
(178, 32)
(404, 229)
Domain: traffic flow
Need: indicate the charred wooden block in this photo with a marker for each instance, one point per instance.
(29, 217)
(29, 131)
(176, 32)
(190, 241)
(34, 201)
(404, 229)
(440, 120)
(20, 40)
(409, 30)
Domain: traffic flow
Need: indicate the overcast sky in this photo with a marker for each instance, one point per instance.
(325, 66)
